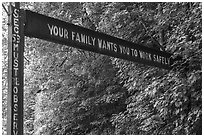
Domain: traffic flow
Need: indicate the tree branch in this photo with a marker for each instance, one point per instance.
(153, 39)
(63, 62)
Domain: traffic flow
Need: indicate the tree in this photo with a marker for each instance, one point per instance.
(73, 84)
(164, 102)
(4, 69)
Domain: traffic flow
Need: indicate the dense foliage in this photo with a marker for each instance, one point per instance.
(71, 91)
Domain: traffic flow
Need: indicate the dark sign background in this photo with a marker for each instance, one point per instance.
(37, 26)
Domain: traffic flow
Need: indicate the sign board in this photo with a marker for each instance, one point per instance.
(15, 73)
(54, 30)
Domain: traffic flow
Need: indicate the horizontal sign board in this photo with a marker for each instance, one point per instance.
(54, 30)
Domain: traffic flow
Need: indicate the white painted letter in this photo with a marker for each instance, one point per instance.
(93, 41)
(15, 90)
(55, 30)
(73, 33)
(50, 28)
(16, 13)
(100, 43)
(15, 98)
(61, 30)
(15, 107)
(65, 33)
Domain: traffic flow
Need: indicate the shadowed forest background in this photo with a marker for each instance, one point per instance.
(71, 91)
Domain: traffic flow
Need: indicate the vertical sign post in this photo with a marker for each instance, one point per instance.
(15, 71)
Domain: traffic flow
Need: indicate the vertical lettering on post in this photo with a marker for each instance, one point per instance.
(15, 73)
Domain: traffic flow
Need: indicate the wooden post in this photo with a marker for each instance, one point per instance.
(15, 71)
